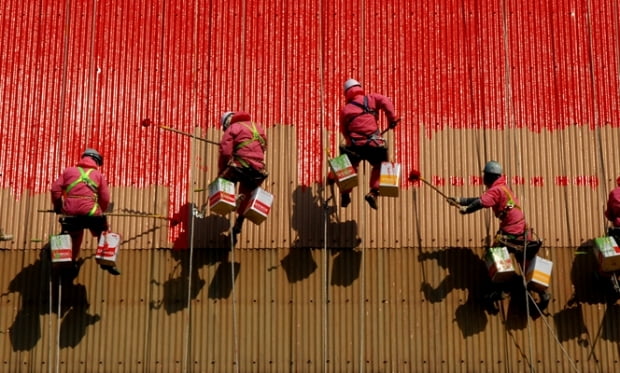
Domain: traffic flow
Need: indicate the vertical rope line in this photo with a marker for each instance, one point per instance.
(362, 8)
(511, 142)
(63, 100)
(325, 144)
(243, 54)
(50, 283)
(234, 297)
(58, 324)
(50, 286)
(480, 153)
(92, 67)
(188, 313)
(595, 113)
(63, 84)
(616, 18)
(231, 235)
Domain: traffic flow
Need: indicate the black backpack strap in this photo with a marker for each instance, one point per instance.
(365, 107)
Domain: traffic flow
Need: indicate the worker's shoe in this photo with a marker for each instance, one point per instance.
(235, 231)
(6, 237)
(345, 199)
(489, 301)
(544, 300)
(113, 270)
(371, 198)
(69, 273)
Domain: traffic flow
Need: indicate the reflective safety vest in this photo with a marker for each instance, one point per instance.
(85, 178)
(255, 137)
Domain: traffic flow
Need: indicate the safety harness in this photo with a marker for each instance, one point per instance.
(366, 109)
(255, 137)
(510, 204)
(85, 178)
(375, 136)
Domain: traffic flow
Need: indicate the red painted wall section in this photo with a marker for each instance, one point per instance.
(78, 74)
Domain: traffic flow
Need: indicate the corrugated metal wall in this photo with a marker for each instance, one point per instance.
(316, 287)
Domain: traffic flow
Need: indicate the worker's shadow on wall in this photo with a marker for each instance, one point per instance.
(211, 247)
(466, 271)
(314, 217)
(33, 283)
(185, 283)
(589, 287)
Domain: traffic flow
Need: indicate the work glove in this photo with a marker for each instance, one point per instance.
(453, 201)
(463, 210)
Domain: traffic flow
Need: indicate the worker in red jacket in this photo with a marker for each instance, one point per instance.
(513, 230)
(242, 158)
(359, 124)
(81, 194)
(612, 212)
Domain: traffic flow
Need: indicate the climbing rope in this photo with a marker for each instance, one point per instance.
(597, 126)
(324, 133)
(362, 58)
(553, 334)
(234, 296)
(510, 143)
(192, 220)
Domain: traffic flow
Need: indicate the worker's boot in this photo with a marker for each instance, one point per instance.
(237, 229)
(371, 198)
(113, 270)
(71, 272)
(345, 199)
(545, 297)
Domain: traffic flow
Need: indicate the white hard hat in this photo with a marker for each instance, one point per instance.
(493, 167)
(225, 119)
(351, 83)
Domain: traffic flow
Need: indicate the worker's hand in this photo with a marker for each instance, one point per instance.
(463, 210)
(394, 123)
(453, 201)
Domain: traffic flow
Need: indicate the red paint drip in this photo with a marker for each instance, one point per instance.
(562, 180)
(456, 181)
(537, 181)
(580, 180)
(475, 180)
(438, 180)
(593, 181)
